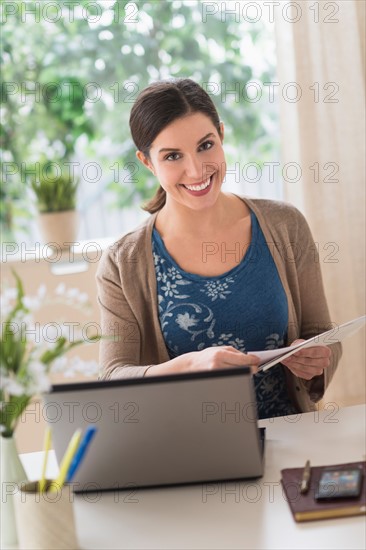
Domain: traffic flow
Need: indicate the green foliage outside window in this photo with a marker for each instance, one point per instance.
(73, 81)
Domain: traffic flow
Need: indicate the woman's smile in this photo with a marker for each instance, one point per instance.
(199, 189)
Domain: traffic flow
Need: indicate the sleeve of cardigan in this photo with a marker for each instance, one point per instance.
(119, 353)
(315, 317)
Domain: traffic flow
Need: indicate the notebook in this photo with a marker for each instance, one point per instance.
(305, 507)
(161, 430)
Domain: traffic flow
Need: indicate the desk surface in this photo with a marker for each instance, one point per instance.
(234, 514)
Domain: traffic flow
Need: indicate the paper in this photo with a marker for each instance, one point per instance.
(269, 358)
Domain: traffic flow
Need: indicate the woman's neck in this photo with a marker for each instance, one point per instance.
(175, 220)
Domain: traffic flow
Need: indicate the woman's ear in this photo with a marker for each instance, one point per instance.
(145, 161)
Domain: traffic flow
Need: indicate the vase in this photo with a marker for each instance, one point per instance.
(59, 229)
(12, 474)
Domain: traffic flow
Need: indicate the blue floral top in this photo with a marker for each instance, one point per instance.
(245, 307)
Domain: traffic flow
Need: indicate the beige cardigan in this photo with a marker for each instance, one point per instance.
(127, 296)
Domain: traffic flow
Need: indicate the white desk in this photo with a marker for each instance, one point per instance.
(232, 515)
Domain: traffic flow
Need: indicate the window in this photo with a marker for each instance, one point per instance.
(72, 71)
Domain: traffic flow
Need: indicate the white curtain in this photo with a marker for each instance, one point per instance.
(323, 133)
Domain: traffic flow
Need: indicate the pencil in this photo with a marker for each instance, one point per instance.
(46, 448)
(66, 461)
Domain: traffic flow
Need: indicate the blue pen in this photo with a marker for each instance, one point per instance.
(80, 453)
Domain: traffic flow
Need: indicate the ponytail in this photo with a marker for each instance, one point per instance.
(157, 202)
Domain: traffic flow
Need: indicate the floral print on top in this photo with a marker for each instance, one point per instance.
(245, 307)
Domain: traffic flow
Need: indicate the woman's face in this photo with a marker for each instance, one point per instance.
(188, 159)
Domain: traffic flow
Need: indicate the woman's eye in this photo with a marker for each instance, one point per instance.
(172, 156)
(206, 145)
(203, 147)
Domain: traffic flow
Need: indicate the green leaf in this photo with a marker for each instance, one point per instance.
(13, 348)
(54, 193)
(10, 412)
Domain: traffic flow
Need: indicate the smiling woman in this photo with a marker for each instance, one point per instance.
(204, 280)
(194, 169)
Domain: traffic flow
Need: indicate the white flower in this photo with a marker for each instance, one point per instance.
(38, 351)
(161, 277)
(11, 386)
(76, 363)
(174, 274)
(78, 366)
(273, 341)
(40, 384)
(91, 368)
(39, 381)
(158, 260)
(59, 364)
(41, 293)
(31, 302)
(20, 316)
(51, 332)
(10, 294)
(60, 289)
(24, 324)
(83, 297)
(170, 289)
(73, 293)
(36, 368)
(229, 340)
(5, 308)
(218, 289)
(28, 320)
(185, 321)
(31, 333)
(7, 301)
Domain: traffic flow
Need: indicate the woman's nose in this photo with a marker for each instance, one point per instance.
(194, 169)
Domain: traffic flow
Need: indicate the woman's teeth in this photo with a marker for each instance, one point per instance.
(199, 187)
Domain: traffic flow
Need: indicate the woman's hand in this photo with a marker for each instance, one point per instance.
(220, 357)
(309, 362)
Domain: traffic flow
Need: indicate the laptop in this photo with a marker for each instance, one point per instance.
(162, 430)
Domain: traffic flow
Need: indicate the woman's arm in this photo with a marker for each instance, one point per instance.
(119, 353)
(315, 366)
(207, 359)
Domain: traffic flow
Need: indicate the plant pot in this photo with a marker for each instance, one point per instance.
(59, 229)
(12, 474)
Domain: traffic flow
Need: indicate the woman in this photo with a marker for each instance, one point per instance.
(210, 276)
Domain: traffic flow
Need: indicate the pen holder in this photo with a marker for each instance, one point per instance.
(45, 521)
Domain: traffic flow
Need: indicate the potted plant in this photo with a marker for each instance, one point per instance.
(27, 357)
(56, 204)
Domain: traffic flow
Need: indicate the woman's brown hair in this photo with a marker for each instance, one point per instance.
(160, 104)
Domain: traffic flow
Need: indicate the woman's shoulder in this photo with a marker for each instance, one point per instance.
(129, 248)
(276, 213)
(274, 208)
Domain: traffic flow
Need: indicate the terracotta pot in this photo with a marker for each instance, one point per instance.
(59, 229)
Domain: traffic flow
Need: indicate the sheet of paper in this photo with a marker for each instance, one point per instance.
(269, 358)
(269, 354)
